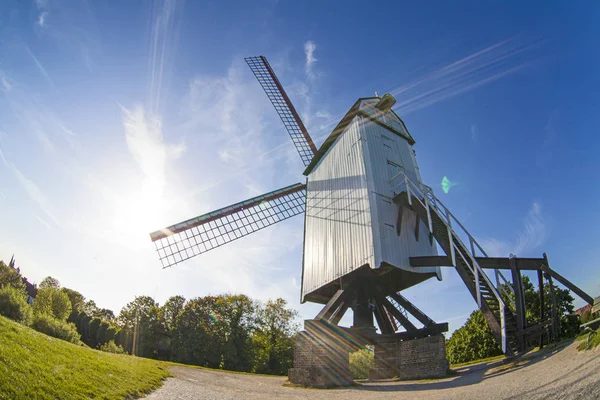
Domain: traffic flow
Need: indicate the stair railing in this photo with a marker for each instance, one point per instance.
(424, 195)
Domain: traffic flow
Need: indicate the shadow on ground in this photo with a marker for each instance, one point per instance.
(473, 374)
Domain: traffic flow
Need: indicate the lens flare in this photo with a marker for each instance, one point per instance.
(447, 184)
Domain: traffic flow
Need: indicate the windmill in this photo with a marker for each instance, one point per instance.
(372, 229)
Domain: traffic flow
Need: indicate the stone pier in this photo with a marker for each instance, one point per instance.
(322, 355)
(410, 359)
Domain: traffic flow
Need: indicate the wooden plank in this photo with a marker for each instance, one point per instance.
(331, 306)
(596, 306)
(519, 303)
(419, 333)
(569, 285)
(525, 264)
(542, 309)
(385, 326)
(405, 322)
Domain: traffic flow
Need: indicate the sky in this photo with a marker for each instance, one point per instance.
(121, 118)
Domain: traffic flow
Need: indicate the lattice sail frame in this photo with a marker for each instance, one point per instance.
(280, 100)
(198, 235)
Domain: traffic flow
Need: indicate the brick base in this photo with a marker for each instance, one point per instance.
(410, 359)
(321, 357)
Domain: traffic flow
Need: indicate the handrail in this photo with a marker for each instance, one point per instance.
(426, 193)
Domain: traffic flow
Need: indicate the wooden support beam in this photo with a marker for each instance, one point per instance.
(405, 322)
(417, 226)
(385, 326)
(542, 309)
(555, 328)
(419, 333)
(339, 313)
(519, 304)
(568, 284)
(525, 264)
(411, 309)
(331, 306)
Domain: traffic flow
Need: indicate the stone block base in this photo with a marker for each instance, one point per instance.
(321, 357)
(410, 359)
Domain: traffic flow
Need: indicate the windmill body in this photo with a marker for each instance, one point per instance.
(351, 219)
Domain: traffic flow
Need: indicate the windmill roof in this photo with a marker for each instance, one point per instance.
(359, 108)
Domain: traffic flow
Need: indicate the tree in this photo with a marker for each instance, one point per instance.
(76, 298)
(10, 277)
(53, 302)
(49, 282)
(13, 304)
(170, 310)
(141, 317)
(276, 325)
(238, 314)
(473, 341)
(196, 338)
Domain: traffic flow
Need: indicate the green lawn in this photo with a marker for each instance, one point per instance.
(500, 357)
(34, 365)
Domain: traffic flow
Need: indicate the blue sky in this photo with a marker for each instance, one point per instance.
(119, 118)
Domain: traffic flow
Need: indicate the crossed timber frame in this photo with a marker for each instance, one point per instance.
(368, 295)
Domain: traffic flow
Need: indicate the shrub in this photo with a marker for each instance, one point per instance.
(13, 304)
(361, 362)
(56, 328)
(111, 347)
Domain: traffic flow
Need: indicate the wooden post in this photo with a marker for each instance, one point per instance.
(519, 303)
(555, 329)
(555, 316)
(542, 310)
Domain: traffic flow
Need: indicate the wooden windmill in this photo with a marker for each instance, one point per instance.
(371, 228)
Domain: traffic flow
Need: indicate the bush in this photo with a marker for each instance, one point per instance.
(473, 341)
(13, 304)
(56, 328)
(111, 347)
(361, 362)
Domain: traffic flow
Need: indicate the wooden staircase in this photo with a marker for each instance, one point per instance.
(501, 319)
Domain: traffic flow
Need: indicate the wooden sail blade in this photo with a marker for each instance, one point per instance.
(280, 100)
(198, 235)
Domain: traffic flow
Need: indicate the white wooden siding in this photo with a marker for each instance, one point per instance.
(384, 151)
(338, 237)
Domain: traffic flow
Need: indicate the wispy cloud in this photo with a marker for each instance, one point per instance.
(41, 21)
(309, 51)
(40, 66)
(5, 84)
(474, 132)
(161, 45)
(35, 193)
(143, 133)
(41, 5)
(533, 235)
(475, 70)
(44, 222)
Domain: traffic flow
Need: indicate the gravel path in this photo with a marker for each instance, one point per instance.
(563, 373)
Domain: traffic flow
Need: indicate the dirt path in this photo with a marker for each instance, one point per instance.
(563, 373)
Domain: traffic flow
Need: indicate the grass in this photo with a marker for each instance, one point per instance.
(584, 345)
(495, 358)
(34, 365)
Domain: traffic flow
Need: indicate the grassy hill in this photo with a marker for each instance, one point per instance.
(34, 365)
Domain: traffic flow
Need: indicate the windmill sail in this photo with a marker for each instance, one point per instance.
(290, 118)
(198, 235)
